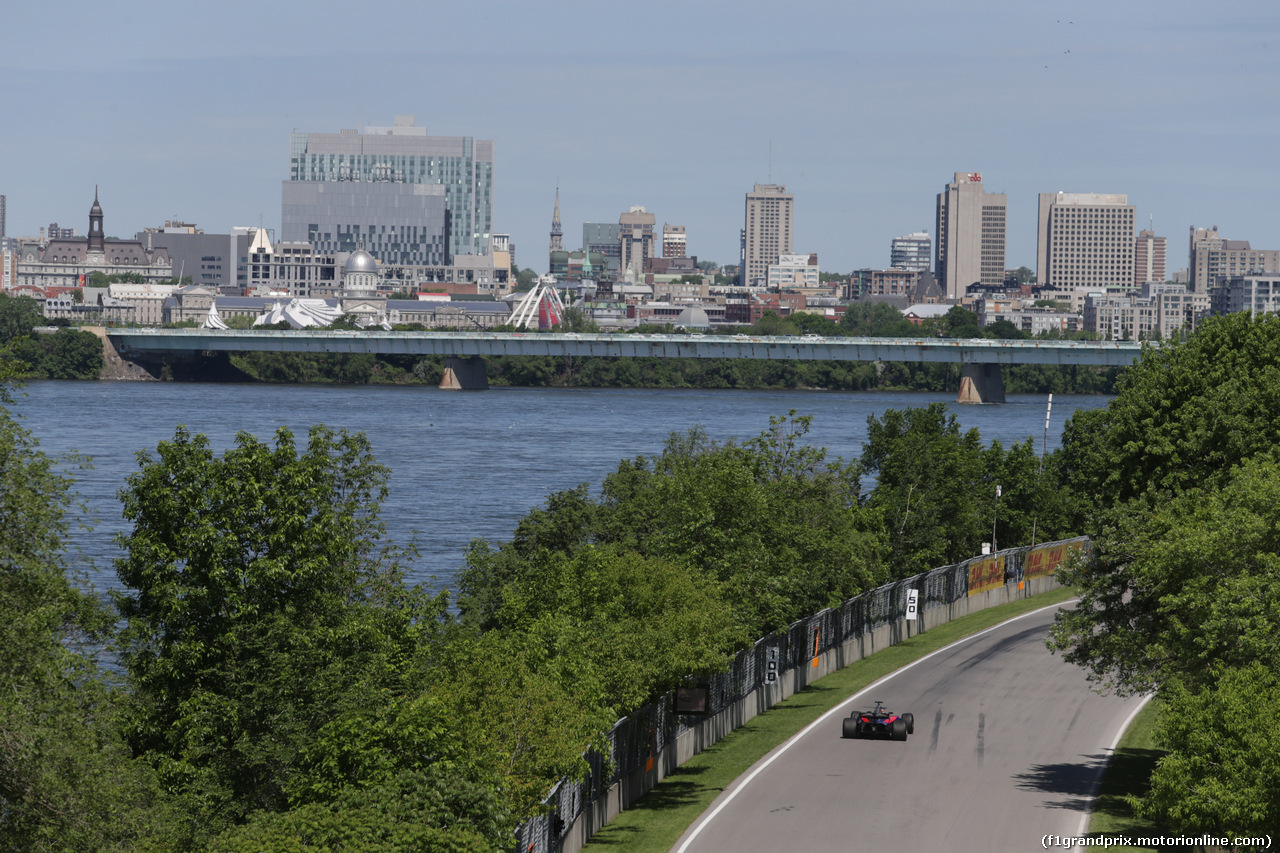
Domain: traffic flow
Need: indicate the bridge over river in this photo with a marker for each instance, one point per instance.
(465, 351)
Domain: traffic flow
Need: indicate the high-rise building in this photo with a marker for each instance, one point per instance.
(911, 252)
(2, 214)
(1213, 257)
(602, 238)
(635, 237)
(1148, 258)
(766, 234)
(397, 223)
(674, 241)
(1085, 240)
(971, 235)
(403, 154)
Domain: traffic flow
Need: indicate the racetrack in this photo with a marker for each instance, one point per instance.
(1009, 744)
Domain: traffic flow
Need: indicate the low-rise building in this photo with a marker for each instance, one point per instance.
(793, 270)
(1257, 293)
(1156, 311)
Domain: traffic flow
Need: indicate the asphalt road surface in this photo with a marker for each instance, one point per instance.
(1009, 745)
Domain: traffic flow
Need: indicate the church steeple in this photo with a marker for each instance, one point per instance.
(557, 236)
(96, 239)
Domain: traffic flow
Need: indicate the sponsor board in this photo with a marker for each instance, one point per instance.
(1043, 562)
(986, 574)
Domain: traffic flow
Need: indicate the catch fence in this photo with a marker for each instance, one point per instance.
(644, 747)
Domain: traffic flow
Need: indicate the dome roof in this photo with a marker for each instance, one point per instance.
(360, 261)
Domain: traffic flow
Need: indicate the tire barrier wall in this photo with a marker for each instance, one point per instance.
(647, 746)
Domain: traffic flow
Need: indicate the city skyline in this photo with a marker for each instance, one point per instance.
(190, 110)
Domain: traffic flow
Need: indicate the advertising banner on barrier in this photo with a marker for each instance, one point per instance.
(1043, 562)
(986, 574)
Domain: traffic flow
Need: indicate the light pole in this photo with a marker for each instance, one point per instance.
(994, 513)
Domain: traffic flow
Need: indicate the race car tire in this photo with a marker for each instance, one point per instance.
(850, 727)
(910, 720)
(898, 731)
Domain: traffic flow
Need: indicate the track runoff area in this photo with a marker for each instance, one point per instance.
(1009, 746)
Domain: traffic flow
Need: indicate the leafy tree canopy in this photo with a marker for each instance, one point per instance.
(67, 778)
(263, 609)
(1183, 415)
(18, 316)
(877, 320)
(1176, 590)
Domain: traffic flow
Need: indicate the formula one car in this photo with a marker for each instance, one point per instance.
(879, 722)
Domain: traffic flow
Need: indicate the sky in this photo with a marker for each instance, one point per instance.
(864, 111)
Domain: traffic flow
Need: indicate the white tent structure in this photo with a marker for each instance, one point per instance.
(214, 320)
(540, 309)
(301, 314)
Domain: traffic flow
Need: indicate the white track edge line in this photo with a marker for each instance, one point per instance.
(707, 818)
(1106, 765)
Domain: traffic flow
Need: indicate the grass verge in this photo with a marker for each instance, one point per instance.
(1128, 773)
(655, 823)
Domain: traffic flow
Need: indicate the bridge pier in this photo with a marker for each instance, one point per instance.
(981, 383)
(464, 374)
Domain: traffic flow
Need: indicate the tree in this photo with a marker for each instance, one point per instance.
(264, 608)
(877, 319)
(18, 316)
(1183, 415)
(1222, 772)
(67, 779)
(1176, 590)
(526, 279)
(931, 486)
(773, 520)
(415, 811)
(814, 324)
(1004, 330)
(960, 322)
(68, 354)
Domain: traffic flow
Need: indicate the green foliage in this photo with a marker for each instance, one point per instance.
(931, 486)
(1222, 773)
(1181, 588)
(66, 354)
(1183, 415)
(1180, 479)
(98, 278)
(1004, 330)
(877, 320)
(774, 524)
(18, 316)
(67, 779)
(263, 609)
(525, 279)
(434, 809)
(576, 320)
(960, 322)
(298, 367)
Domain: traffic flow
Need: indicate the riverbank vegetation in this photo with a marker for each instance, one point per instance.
(266, 679)
(63, 354)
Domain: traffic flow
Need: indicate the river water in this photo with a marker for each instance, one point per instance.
(463, 464)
